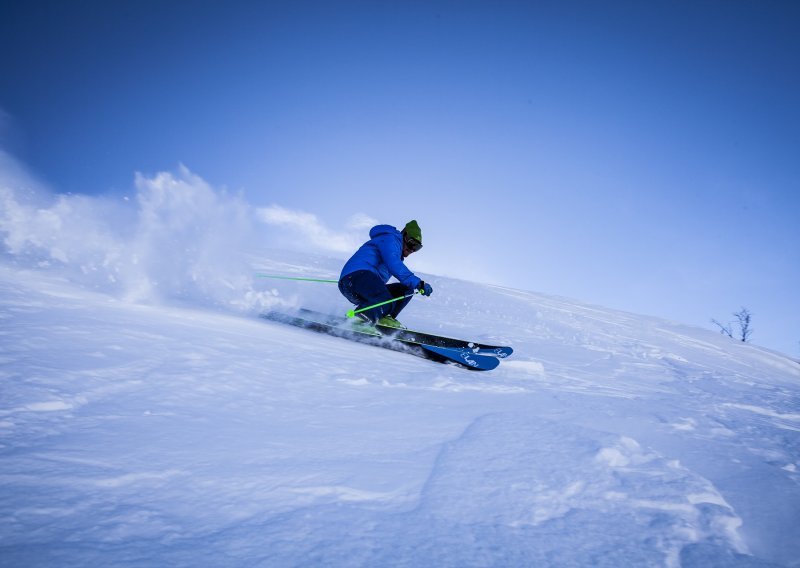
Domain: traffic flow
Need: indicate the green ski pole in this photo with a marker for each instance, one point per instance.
(352, 313)
(296, 278)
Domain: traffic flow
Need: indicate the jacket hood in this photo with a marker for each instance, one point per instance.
(379, 230)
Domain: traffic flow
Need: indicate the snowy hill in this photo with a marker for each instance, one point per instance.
(151, 435)
(148, 417)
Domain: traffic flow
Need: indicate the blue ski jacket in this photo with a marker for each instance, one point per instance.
(382, 254)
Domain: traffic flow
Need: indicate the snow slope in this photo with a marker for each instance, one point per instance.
(178, 428)
(152, 435)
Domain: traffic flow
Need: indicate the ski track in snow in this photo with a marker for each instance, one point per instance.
(152, 435)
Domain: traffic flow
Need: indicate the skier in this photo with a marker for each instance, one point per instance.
(364, 276)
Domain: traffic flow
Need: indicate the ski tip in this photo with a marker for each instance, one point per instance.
(465, 357)
(351, 313)
(501, 352)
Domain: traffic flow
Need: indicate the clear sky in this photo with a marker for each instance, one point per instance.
(639, 155)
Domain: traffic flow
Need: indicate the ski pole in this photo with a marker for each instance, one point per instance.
(352, 313)
(295, 278)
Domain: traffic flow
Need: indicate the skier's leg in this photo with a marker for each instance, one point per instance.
(364, 288)
(397, 290)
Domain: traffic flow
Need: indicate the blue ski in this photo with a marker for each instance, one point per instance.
(500, 351)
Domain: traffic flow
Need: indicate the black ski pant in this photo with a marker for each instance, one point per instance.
(364, 288)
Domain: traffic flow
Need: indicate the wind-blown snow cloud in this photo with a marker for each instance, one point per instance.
(190, 237)
(312, 231)
(41, 227)
(178, 237)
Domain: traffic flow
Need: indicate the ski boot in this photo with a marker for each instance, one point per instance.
(389, 321)
(362, 324)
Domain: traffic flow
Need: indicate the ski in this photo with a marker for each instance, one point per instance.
(464, 357)
(501, 352)
(341, 327)
(425, 338)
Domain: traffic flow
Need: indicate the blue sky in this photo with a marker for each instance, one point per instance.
(638, 155)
